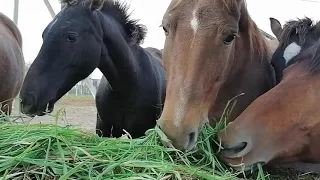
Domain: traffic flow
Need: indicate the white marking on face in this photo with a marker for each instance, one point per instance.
(291, 51)
(194, 21)
(180, 107)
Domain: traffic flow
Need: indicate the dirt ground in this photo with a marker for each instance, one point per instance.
(79, 111)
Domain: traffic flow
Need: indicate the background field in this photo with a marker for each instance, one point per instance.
(80, 111)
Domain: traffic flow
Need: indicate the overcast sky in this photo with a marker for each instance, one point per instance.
(34, 17)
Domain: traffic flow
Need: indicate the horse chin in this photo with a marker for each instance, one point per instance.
(29, 111)
(30, 115)
(246, 168)
(48, 109)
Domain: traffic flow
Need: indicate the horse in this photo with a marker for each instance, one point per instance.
(89, 34)
(273, 44)
(12, 63)
(282, 126)
(213, 52)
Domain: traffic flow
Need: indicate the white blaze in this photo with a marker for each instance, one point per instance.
(194, 21)
(291, 51)
(181, 104)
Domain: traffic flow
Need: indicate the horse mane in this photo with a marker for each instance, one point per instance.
(314, 64)
(257, 42)
(119, 10)
(299, 27)
(311, 55)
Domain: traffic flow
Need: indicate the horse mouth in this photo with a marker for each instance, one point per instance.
(236, 151)
(33, 111)
(48, 108)
(246, 168)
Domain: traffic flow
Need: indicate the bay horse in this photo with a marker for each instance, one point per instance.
(11, 63)
(89, 34)
(282, 126)
(213, 52)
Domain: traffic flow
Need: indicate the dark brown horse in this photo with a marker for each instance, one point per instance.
(11, 63)
(282, 127)
(213, 52)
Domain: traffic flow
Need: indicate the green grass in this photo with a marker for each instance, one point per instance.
(38, 151)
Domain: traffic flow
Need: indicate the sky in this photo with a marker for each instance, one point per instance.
(34, 17)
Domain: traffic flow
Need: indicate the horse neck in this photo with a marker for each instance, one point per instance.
(118, 62)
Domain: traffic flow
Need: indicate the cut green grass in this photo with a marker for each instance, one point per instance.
(38, 151)
(44, 151)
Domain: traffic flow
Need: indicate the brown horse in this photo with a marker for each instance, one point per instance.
(11, 63)
(273, 44)
(213, 52)
(282, 127)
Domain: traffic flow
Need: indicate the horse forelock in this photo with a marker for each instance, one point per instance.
(174, 4)
(312, 55)
(119, 10)
(257, 42)
(299, 27)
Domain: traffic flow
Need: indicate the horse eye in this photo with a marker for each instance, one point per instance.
(71, 38)
(229, 39)
(165, 30)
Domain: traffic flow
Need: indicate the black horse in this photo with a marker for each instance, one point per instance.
(89, 34)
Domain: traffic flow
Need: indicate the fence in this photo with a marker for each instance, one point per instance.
(81, 88)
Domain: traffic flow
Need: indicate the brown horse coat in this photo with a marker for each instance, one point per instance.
(282, 126)
(213, 52)
(11, 62)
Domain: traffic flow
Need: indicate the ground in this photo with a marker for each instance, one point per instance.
(79, 111)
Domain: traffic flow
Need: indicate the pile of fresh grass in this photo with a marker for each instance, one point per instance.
(39, 151)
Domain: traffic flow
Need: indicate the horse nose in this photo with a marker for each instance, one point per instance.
(192, 141)
(234, 145)
(235, 151)
(27, 103)
(182, 140)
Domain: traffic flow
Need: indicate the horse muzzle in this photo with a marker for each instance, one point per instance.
(27, 105)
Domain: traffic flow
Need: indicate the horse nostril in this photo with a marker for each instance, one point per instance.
(235, 150)
(192, 137)
(29, 99)
(27, 103)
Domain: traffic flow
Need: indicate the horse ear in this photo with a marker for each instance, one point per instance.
(275, 27)
(96, 4)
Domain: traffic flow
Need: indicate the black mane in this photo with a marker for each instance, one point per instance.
(119, 10)
(300, 27)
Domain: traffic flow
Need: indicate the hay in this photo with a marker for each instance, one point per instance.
(48, 151)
